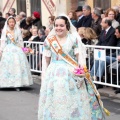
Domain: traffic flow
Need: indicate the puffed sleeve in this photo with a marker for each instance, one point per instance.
(47, 48)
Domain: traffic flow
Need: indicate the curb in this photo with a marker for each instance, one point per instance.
(113, 96)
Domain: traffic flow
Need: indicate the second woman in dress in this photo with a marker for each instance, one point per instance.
(14, 67)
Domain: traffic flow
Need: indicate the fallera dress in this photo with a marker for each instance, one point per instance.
(14, 67)
(60, 98)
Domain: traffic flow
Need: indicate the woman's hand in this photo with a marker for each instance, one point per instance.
(26, 52)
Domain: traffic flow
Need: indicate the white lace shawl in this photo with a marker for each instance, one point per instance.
(18, 36)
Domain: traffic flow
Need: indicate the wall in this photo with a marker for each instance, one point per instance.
(115, 2)
(52, 7)
(28, 8)
(89, 2)
(6, 5)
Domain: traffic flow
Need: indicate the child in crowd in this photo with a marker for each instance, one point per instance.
(25, 35)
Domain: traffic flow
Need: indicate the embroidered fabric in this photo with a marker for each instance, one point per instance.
(14, 66)
(61, 96)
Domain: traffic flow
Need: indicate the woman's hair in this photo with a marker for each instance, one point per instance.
(29, 20)
(81, 31)
(108, 10)
(11, 17)
(74, 17)
(90, 34)
(66, 21)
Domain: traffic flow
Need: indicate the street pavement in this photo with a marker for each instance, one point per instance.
(23, 105)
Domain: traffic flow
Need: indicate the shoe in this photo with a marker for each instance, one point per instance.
(18, 89)
(114, 88)
(99, 86)
(117, 91)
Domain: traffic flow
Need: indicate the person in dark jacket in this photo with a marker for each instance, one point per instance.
(26, 35)
(41, 34)
(88, 18)
(107, 37)
(114, 58)
(96, 15)
(26, 23)
(2, 22)
(36, 19)
(80, 16)
(73, 17)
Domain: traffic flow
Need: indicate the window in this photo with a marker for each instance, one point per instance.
(104, 4)
(21, 6)
(35, 5)
(81, 2)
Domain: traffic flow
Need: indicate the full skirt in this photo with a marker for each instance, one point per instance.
(62, 99)
(14, 68)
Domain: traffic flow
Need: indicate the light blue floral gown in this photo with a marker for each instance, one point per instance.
(60, 98)
(14, 67)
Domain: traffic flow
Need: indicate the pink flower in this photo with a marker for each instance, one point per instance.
(79, 71)
(25, 49)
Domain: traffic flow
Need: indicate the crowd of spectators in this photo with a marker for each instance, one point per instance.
(99, 27)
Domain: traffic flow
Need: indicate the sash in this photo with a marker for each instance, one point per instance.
(58, 49)
(10, 37)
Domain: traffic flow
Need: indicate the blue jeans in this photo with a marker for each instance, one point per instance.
(100, 66)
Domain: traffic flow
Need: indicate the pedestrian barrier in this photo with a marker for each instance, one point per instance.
(104, 69)
(35, 58)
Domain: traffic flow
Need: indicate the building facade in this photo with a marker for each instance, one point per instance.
(52, 7)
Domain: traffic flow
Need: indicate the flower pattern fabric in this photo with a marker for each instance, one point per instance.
(60, 98)
(14, 67)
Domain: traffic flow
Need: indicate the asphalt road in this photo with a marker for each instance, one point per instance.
(23, 105)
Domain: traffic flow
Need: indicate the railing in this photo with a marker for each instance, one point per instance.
(35, 59)
(110, 77)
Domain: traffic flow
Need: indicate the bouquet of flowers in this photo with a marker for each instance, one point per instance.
(79, 75)
(80, 71)
(27, 50)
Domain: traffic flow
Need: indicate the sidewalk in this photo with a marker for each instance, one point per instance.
(109, 92)
(106, 91)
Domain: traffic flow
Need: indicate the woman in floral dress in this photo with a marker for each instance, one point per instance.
(14, 67)
(61, 98)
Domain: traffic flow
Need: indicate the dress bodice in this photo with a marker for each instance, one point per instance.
(69, 47)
